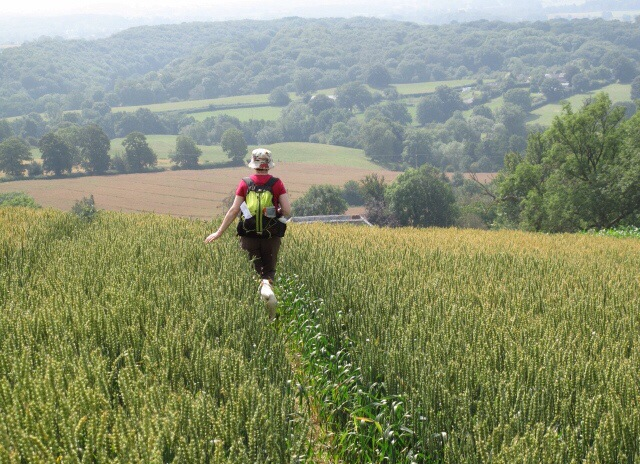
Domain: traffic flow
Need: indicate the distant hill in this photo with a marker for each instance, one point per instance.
(15, 30)
(200, 60)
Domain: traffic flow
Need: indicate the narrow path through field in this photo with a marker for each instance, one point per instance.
(350, 419)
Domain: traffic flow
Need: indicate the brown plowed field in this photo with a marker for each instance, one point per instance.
(195, 194)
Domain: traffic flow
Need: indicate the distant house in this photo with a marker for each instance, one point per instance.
(562, 77)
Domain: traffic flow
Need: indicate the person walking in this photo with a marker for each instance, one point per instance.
(263, 205)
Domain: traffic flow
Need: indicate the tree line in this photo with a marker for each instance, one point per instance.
(581, 173)
(206, 60)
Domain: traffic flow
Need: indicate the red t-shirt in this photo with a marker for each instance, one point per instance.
(261, 179)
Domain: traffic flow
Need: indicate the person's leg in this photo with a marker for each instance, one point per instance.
(254, 250)
(269, 249)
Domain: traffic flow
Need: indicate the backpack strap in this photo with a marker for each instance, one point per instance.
(270, 183)
(267, 185)
(250, 183)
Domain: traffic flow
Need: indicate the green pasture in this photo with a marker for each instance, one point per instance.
(268, 113)
(256, 99)
(316, 153)
(263, 99)
(290, 152)
(430, 87)
(545, 114)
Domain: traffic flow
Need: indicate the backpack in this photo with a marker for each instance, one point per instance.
(263, 222)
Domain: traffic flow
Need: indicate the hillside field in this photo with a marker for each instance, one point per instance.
(286, 152)
(189, 193)
(128, 339)
(268, 113)
(262, 108)
(545, 114)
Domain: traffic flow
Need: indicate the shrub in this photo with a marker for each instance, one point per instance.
(85, 209)
(17, 199)
(320, 199)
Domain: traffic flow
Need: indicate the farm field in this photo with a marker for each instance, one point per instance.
(268, 113)
(256, 99)
(495, 346)
(127, 338)
(288, 152)
(262, 100)
(429, 87)
(196, 194)
(133, 342)
(545, 114)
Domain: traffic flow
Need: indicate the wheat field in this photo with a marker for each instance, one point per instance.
(127, 339)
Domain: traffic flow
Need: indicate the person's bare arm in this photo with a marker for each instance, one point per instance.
(228, 219)
(285, 204)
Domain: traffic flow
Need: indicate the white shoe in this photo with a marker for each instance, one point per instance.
(267, 295)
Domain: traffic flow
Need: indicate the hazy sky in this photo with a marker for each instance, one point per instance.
(190, 7)
(236, 9)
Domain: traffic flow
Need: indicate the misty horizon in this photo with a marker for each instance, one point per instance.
(68, 20)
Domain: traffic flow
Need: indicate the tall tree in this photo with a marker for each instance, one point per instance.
(422, 198)
(583, 172)
(353, 95)
(13, 153)
(635, 88)
(137, 152)
(187, 152)
(279, 97)
(418, 147)
(518, 97)
(552, 89)
(382, 140)
(234, 145)
(378, 76)
(57, 155)
(297, 122)
(94, 148)
(439, 106)
(373, 190)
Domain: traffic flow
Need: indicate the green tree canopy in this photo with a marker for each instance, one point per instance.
(518, 97)
(320, 199)
(373, 190)
(13, 153)
(581, 173)
(422, 198)
(353, 95)
(320, 102)
(378, 76)
(57, 155)
(138, 154)
(635, 88)
(234, 145)
(382, 140)
(552, 89)
(94, 149)
(439, 106)
(5, 130)
(297, 122)
(352, 193)
(418, 147)
(187, 152)
(279, 97)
